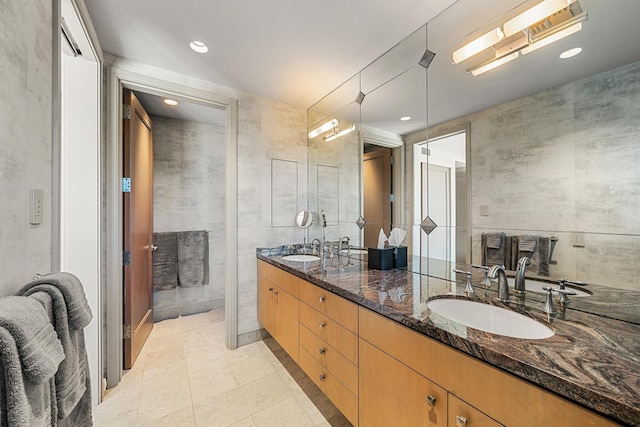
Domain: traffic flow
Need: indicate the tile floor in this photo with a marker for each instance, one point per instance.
(186, 377)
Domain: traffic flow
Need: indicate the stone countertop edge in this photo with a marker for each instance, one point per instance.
(596, 392)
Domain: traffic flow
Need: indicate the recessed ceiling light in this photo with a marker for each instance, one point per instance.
(171, 102)
(570, 52)
(199, 46)
(405, 118)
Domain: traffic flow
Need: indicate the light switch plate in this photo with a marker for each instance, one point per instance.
(484, 210)
(578, 239)
(36, 208)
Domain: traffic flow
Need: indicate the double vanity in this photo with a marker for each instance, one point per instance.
(396, 347)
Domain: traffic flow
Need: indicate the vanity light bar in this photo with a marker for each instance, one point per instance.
(552, 38)
(323, 128)
(340, 133)
(478, 45)
(535, 14)
(483, 68)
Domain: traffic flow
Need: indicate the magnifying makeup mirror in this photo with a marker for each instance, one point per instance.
(304, 219)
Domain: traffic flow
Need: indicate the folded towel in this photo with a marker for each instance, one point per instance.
(193, 258)
(527, 243)
(165, 261)
(36, 341)
(78, 309)
(23, 402)
(71, 376)
(494, 240)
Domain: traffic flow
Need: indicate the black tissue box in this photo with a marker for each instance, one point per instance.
(399, 256)
(381, 259)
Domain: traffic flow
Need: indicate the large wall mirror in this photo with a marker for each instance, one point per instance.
(518, 141)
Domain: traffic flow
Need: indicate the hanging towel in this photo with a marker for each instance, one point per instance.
(78, 309)
(22, 402)
(37, 343)
(30, 353)
(193, 258)
(527, 243)
(165, 261)
(493, 248)
(70, 379)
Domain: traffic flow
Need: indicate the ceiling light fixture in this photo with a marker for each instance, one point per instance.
(339, 133)
(478, 45)
(553, 38)
(171, 102)
(570, 53)
(405, 118)
(323, 128)
(198, 46)
(483, 68)
(535, 14)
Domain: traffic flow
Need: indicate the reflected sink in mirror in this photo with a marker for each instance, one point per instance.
(356, 251)
(489, 318)
(301, 258)
(533, 285)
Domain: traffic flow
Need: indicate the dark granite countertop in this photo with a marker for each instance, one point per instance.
(593, 359)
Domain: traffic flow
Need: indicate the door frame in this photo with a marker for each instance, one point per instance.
(118, 80)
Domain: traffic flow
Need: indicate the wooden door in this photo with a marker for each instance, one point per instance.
(376, 173)
(436, 202)
(137, 229)
(265, 304)
(286, 322)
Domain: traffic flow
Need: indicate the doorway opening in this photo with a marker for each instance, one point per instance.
(226, 253)
(441, 178)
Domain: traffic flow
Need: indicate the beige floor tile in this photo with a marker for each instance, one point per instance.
(308, 406)
(265, 392)
(247, 422)
(288, 413)
(210, 381)
(252, 368)
(181, 418)
(243, 353)
(222, 410)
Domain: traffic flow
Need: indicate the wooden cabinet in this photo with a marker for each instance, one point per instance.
(391, 394)
(278, 306)
(500, 395)
(329, 345)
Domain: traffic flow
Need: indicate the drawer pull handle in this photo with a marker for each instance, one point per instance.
(275, 292)
(461, 421)
(322, 350)
(321, 324)
(322, 377)
(322, 298)
(431, 400)
(270, 289)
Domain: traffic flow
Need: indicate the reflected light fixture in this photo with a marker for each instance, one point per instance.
(533, 15)
(171, 102)
(323, 128)
(570, 53)
(198, 46)
(478, 45)
(405, 118)
(340, 133)
(483, 68)
(553, 38)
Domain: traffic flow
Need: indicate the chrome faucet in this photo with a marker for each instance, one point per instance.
(497, 271)
(341, 241)
(519, 286)
(320, 246)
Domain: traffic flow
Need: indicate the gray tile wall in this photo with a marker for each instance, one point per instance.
(25, 138)
(189, 194)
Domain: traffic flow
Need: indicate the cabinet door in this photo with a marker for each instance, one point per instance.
(391, 394)
(265, 304)
(286, 321)
(461, 414)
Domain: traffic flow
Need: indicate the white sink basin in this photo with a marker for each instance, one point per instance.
(489, 318)
(301, 258)
(537, 285)
(356, 251)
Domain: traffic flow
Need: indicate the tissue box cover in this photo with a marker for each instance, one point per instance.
(399, 256)
(381, 259)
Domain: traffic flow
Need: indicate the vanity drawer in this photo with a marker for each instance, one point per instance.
(286, 281)
(338, 337)
(345, 371)
(339, 309)
(267, 270)
(461, 414)
(344, 400)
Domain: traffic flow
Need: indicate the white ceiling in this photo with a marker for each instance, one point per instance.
(297, 51)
